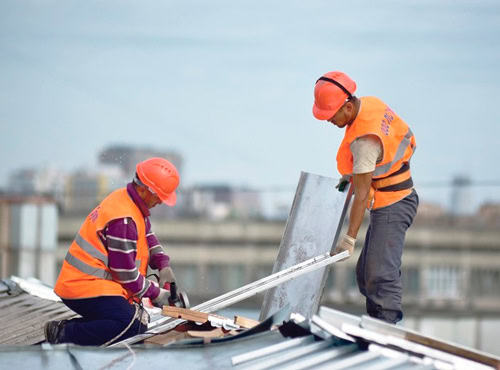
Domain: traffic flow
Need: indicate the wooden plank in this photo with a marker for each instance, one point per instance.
(163, 339)
(216, 333)
(185, 314)
(245, 322)
(163, 325)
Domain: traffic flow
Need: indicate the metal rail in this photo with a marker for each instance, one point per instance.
(225, 300)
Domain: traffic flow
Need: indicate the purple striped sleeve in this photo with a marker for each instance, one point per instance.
(158, 259)
(121, 242)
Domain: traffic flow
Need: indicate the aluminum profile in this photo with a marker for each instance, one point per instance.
(225, 300)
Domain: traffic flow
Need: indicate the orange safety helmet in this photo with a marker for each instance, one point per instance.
(161, 177)
(330, 93)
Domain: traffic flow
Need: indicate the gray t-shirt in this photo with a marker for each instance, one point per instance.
(366, 151)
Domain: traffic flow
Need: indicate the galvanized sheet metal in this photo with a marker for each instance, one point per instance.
(312, 228)
(23, 316)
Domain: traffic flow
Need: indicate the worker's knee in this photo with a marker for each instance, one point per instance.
(386, 290)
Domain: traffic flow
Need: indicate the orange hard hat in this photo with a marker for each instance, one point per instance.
(161, 177)
(330, 93)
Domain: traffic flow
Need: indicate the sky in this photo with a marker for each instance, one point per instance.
(229, 84)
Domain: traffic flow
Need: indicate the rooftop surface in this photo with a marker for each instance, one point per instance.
(332, 339)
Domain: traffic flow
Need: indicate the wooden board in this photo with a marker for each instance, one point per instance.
(185, 314)
(245, 322)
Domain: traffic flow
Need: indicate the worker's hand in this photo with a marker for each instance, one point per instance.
(162, 299)
(345, 244)
(343, 181)
(166, 276)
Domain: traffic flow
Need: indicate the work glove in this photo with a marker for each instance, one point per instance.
(343, 181)
(345, 244)
(166, 276)
(162, 299)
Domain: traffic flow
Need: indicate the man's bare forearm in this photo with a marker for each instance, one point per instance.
(356, 216)
(362, 185)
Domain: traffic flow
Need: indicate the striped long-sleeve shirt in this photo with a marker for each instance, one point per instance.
(120, 239)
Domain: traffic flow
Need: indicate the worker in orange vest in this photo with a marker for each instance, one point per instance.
(375, 157)
(103, 277)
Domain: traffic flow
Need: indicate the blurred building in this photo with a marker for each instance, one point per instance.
(276, 203)
(489, 214)
(28, 237)
(451, 274)
(126, 157)
(220, 202)
(430, 211)
(461, 196)
(85, 189)
(32, 181)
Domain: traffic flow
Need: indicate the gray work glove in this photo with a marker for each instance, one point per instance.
(166, 276)
(345, 244)
(162, 299)
(343, 181)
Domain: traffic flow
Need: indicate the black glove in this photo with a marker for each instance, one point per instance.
(343, 181)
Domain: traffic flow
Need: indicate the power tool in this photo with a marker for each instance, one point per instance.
(178, 299)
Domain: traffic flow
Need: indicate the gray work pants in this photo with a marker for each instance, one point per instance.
(379, 266)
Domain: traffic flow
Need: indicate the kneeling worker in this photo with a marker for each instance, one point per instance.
(103, 275)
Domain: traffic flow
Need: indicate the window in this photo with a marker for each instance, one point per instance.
(411, 280)
(444, 282)
(485, 282)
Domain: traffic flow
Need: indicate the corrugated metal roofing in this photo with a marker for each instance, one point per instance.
(331, 340)
(23, 314)
(315, 353)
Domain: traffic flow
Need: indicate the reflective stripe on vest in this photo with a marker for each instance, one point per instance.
(403, 145)
(85, 272)
(90, 249)
(87, 269)
(398, 143)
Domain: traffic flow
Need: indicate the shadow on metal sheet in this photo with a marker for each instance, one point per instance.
(276, 319)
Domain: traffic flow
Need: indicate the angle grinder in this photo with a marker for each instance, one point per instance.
(178, 299)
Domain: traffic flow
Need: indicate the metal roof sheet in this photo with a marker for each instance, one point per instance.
(332, 340)
(23, 314)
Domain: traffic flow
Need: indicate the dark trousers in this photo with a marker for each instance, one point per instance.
(102, 319)
(379, 266)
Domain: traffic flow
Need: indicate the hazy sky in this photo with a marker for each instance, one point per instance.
(229, 84)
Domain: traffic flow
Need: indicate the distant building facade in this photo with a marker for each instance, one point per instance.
(461, 196)
(489, 214)
(35, 181)
(85, 189)
(220, 202)
(126, 157)
(28, 237)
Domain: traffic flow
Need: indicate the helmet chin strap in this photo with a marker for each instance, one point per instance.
(336, 83)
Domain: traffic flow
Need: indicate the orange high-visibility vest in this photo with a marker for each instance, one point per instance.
(85, 272)
(398, 142)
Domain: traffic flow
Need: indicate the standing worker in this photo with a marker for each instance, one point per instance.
(375, 157)
(103, 275)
